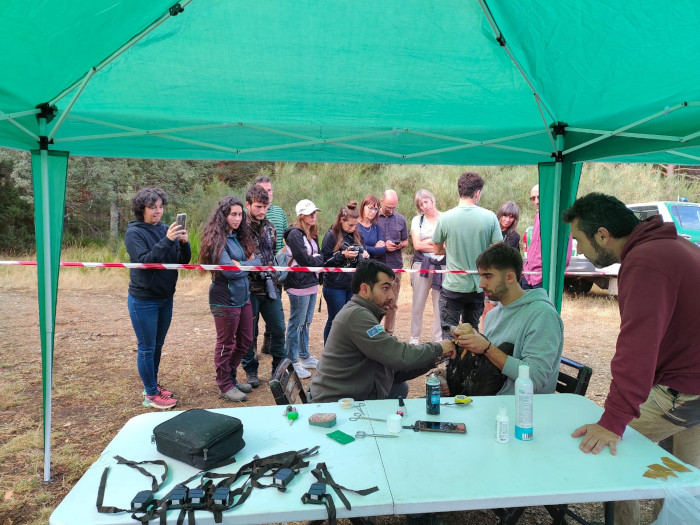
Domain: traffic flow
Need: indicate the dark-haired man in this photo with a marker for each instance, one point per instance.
(655, 384)
(525, 319)
(462, 233)
(360, 357)
(276, 216)
(265, 296)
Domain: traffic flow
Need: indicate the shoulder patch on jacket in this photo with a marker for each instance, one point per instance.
(375, 330)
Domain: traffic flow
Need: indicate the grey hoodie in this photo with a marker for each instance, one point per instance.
(534, 327)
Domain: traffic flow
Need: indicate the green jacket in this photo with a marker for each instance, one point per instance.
(360, 358)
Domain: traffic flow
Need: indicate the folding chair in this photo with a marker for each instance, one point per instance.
(286, 386)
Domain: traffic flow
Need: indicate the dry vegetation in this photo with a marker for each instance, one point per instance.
(97, 388)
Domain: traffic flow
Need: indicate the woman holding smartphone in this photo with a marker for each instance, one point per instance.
(151, 292)
(342, 247)
(226, 241)
(371, 233)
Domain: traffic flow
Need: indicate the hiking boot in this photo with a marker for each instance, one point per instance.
(265, 348)
(252, 378)
(244, 387)
(159, 402)
(308, 362)
(302, 372)
(233, 395)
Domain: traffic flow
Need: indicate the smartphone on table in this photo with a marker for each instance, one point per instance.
(440, 426)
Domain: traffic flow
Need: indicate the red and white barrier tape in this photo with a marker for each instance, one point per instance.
(210, 267)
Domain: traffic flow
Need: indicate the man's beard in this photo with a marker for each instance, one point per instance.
(603, 257)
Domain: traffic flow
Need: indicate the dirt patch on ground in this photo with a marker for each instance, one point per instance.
(97, 388)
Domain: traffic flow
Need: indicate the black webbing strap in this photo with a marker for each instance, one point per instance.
(327, 501)
(155, 486)
(255, 470)
(135, 465)
(323, 476)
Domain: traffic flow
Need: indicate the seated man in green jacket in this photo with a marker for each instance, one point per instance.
(360, 358)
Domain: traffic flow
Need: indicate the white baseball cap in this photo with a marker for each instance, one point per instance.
(306, 207)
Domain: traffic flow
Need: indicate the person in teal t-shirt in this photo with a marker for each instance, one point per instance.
(462, 233)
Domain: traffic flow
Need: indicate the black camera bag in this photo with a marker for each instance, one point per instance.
(200, 438)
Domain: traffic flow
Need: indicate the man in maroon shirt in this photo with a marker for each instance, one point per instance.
(655, 384)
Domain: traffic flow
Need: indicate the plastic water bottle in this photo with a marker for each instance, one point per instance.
(432, 395)
(502, 426)
(523, 404)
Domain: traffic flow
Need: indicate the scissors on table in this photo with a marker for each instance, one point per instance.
(360, 416)
(362, 434)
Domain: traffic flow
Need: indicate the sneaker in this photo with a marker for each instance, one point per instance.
(162, 391)
(413, 341)
(302, 372)
(233, 395)
(244, 387)
(159, 402)
(308, 362)
(251, 378)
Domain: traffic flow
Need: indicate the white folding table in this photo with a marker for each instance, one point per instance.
(415, 472)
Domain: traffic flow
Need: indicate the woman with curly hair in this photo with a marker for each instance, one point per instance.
(226, 241)
(342, 247)
(150, 300)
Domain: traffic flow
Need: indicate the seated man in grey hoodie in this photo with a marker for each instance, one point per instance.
(360, 358)
(524, 324)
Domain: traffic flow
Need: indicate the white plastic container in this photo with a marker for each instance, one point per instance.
(502, 426)
(523, 404)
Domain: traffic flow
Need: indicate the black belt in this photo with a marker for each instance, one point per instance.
(673, 391)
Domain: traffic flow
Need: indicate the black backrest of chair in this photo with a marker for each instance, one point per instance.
(568, 384)
(286, 386)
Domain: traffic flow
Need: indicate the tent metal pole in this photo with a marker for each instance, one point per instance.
(554, 234)
(48, 303)
(686, 155)
(66, 111)
(18, 114)
(119, 51)
(648, 136)
(11, 120)
(609, 134)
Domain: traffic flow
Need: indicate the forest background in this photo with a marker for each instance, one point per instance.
(99, 190)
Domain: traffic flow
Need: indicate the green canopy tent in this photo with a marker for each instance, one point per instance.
(397, 81)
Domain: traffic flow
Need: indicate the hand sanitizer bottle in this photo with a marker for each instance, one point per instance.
(523, 404)
(502, 426)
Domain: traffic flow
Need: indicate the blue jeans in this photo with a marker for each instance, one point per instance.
(301, 313)
(335, 300)
(272, 313)
(151, 320)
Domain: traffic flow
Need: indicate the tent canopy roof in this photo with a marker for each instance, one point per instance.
(400, 81)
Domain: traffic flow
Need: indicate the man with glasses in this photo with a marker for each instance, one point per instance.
(395, 232)
(533, 263)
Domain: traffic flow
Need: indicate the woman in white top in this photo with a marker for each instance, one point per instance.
(422, 228)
